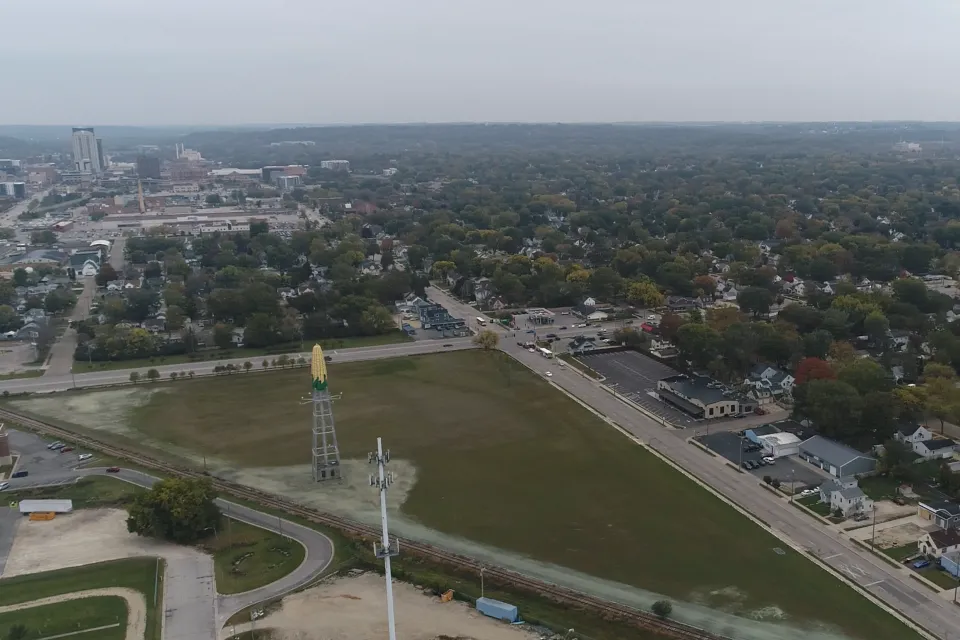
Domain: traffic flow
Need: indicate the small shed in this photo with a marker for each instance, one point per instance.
(497, 609)
(45, 506)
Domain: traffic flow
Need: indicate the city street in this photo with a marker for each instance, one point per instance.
(48, 383)
(869, 573)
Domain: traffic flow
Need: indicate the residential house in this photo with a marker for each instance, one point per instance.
(699, 396)
(939, 542)
(767, 377)
(585, 308)
(899, 339)
(935, 448)
(681, 304)
(944, 513)
(844, 495)
(154, 325)
(911, 433)
(836, 459)
(86, 265)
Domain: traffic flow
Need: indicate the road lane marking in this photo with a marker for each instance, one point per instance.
(870, 584)
(836, 555)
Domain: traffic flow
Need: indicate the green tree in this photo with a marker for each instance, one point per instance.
(106, 274)
(20, 277)
(866, 376)
(180, 510)
(247, 366)
(214, 199)
(645, 294)
(9, 319)
(698, 343)
(223, 335)
(755, 300)
(662, 609)
(487, 340)
(876, 326)
(416, 254)
(45, 237)
(834, 407)
(134, 377)
(153, 375)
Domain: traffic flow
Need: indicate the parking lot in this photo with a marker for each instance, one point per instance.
(786, 470)
(635, 376)
(41, 463)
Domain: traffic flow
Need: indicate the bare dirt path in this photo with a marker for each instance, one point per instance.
(353, 608)
(136, 607)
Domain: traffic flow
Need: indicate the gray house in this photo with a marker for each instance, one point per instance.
(836, 459)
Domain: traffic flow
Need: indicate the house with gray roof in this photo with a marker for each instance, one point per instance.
(836, 459)
(845, 495)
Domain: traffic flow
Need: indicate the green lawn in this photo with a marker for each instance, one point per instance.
(938, 576)
(137, 574)
(93, 491)
(813, 503)
(504, 459)
(901, 553)
(33, 373)
(246, 557)
(71, 617)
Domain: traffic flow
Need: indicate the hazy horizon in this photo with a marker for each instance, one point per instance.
(301, 63)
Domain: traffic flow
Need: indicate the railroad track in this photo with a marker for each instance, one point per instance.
(562, 595)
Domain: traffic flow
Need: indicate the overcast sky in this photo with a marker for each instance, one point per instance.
(353, 61)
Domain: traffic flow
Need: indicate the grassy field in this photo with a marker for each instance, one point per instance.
(256, 356)
(246, 557)
(938, 576)
(137, 574)
(487, 438)
(74, 616)
(33, 373)
(93, 491)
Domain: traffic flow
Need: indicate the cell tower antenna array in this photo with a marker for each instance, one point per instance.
(386, 548)
(326, 453)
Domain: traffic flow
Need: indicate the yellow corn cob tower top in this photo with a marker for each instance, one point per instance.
(318, 369)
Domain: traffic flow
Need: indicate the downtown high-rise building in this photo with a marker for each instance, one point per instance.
(87, 151)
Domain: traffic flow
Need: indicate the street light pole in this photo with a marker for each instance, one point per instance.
(873, 533)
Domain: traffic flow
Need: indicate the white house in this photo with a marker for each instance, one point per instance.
(936, 543)
(598, 316)
(764, 377)
(909, 434)
(845, 495)
(935, 448)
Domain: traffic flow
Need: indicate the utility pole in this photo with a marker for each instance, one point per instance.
(386, 548)
(873, 533)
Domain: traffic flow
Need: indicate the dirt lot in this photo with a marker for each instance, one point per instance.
(79, 538)
(895, 535)
(354, 608)
(14, 356)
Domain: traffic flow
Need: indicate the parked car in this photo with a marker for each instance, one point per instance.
(552, 335)
(531, 330)
(745, 464)
(20, 474)
(113, 469)
(84, 456)
(548, 374)
(4, 485)
(54, 444)
(328, 358)
(920, 564)
(66, 449)
(563, 328)
(769, 459)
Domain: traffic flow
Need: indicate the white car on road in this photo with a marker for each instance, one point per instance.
(549, 374)
(84, 456)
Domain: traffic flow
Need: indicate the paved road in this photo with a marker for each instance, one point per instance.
(48, 383)
(192, 608)
(61, 353)
(887, 583)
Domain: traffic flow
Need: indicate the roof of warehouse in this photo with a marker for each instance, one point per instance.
(58, 506)
(780, 438)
